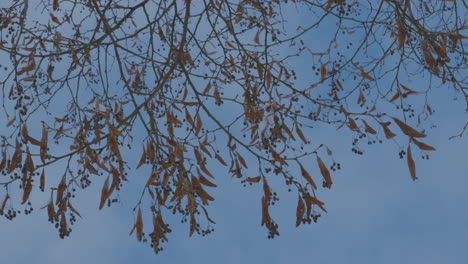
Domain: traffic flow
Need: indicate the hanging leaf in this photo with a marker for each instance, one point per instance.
(104, 191)
(30, 67)
(409, 131)
(300, 134)
(325, 173)
(352, 124)
(220, 159)
(366, 75)
(142, 159)
(54, 19)
(4, 202)
(73, 209)
(411, 164)
(254, 179)
(396, 96)
(139, 225)
(307, 176)
(206, 182)
(422, 145)
(3, 162)
(60, 190)
(368, 129)
(299, 211)
(26, 192)
(388, 133)
(42, 181)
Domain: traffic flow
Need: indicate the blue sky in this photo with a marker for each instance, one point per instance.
(376, 213)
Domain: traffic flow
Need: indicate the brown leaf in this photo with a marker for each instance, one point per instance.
(206, 171)
(3, 162)
(51, 211)
(366, 75)
(26, 192)
(44, 143)
(61, 189)
(352, 124)
(73, 209)
(299, 211)
(142, 159)
(42, 181)
(139, 225)
(422, 145)
(220, 159)
(323, 71)
(15, 159)
(368, 129)
(30, 67)
(189, 118)
(307, 176)
(55, 19)
(388, 133)
(300, 134)
(198, 126)
(104, 193)
(409, 131)
(254, 179)
(257, 37)
(411, 164)
(242, 160)
(396, 96)
(206, 182)
(4, 202)
(325, 173)
(55, 5)
(198, 156)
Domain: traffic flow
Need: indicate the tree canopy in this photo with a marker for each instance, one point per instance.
(188, 86)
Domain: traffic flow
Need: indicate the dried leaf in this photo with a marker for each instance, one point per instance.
(352, 124)
(73, 209)
(42, 181)
(242, 160)
(3, 162)
(323, 72)
(396, 96)
(139, 225)
(409, 131)
(61, 189)
(300, 134)
(308, 178)
(206, 182)
(325, 173)
(30, 67)
(411, 164)
(54, 19)
(368, 129)
(4, 202)
(220, 159)
(366, 75)
(254, 179)
(104, 193)
(26, 192)
(388, 133)
(142, 159)
(51, 211)
(299, 211)
(422, 145)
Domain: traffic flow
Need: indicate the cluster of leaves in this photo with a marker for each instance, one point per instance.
(177, 80)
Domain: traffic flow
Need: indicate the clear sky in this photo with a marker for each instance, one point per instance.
(376, 213)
